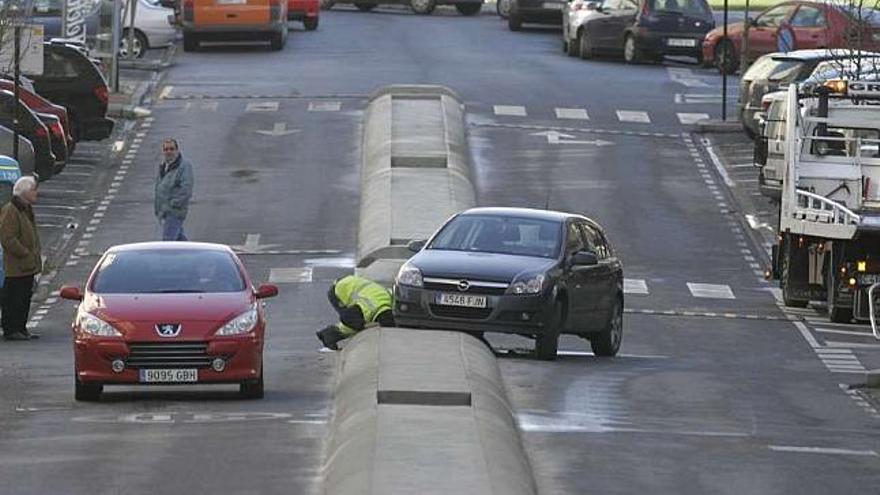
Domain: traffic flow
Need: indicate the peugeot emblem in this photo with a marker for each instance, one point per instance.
(168, 329)
(463, 285)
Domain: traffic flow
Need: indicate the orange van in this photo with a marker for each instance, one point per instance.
(208, 20)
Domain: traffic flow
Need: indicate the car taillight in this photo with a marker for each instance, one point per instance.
(57, 129)
(188, 14)
(274, 10)
(102, 93)
(41, 132)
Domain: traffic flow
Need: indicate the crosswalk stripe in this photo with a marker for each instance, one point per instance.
(633, 116)
(290, 275)
(572, 113)
(511, 110)
(692, 118)
(262, 106)
(634, 286)
(325, 106)
(711, 291)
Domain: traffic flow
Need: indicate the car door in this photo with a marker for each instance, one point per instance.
(763, 33)
(810, 28)
(603, 277)
(576, 281)
(623, 19)
(601, 28)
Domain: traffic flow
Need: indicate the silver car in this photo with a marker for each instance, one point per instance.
(26, 158)
(152, 29)
(574, 15)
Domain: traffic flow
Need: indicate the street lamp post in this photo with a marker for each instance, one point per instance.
(724, 65)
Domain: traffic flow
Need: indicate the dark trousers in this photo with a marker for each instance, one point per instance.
(16, 303)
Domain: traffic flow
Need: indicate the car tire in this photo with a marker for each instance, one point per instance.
(514, 22)
(87, 392)
(785, 274)
(607, 342)
(836, 313)
(422, 7)
(365, 7)
(325, 4)
(573, 48)
(632, 54)
(469, 9)
(190, 42)
(547, 342)
(252, 389)
(140, 46)
(725, 57)
(503, 8)
(310, 23)
(585, 48)
(276, 41)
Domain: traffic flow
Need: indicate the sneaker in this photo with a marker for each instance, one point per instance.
(16, 336)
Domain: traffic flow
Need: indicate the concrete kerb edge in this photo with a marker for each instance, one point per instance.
(718, 126)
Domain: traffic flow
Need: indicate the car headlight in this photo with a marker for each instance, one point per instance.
(527, 284)
(410, 275)
(242, 323)
(93, 325)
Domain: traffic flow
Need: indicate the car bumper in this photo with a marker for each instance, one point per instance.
(98, 129)
(538, 11)
(770, 188)
(160, 38)
(525, 315)
(94, 357)
(243, 31)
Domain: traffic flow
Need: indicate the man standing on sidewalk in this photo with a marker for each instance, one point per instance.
(22, 257)
(174, 186)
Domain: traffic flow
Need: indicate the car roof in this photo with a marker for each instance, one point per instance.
(170, 246)
(820, 54)
(552, 215)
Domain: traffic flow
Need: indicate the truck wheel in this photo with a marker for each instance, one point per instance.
(190, 42)
(607, 342)
(784, 278)
(836, 313)
(422, 7)
(469, 8)
(547, 343)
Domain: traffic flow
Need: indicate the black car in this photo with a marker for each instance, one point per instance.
(536, 11)
(514, 270)
(71, 79)
(648, 29)
(31, 127)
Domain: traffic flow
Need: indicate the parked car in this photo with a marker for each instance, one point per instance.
(534, 11)
(168, 313)
(574, 15)
(795, 25)
(421, 7)
(31, 127)
(304, 10)
(59, 140)
(71, 79)
(770, 144)
(152, 29)
(536, 273)
(643, 29)
(207, 20)
(26, 158)
(37, 103)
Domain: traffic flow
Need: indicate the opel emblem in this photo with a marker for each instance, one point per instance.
(168, 329)
(463, 285)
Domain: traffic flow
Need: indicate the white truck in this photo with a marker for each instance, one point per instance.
(829, 224)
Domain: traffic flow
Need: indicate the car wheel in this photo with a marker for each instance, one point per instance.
(365, 7)
(276, 42)
(422, 7)
(573, 48)
(607, 342)
(503, 8)
(725, 57)
(632, 54)
(252, 389)
(87, 392)
(138, 48)
(585, 47)
(514, 22)
(310, 23)
(190, 42)
(469, 8)
(836, 313)
(547, 343)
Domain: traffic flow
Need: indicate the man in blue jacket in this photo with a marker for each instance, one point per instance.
(174, 186)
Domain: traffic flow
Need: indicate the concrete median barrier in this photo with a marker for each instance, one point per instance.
(422, 412)
(415, 173)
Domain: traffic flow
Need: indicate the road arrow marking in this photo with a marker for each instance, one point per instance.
(280, 129)
(555, 137)
(252, 245)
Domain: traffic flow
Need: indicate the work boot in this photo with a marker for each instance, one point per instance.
(329, 336)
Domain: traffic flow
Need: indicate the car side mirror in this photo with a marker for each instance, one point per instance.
(584, 258)
(71, 292)
(416, 245)
(760, 151)
(593, 6)
(266, 290)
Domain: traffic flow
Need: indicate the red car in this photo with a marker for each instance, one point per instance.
(168, 313)
(305, 11)
(41, 105)
(795, 25)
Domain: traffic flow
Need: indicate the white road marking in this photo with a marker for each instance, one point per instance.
(711, 291)
(821, 450)
(853, 345)
(325, 106)
(262, 106)
(692, 118)
(166, 92)
(511, 110)
(845, 332)
(635, 286)
(633, 116)
(296, 275)
(707, 143)
(807, 335)
(572, 113)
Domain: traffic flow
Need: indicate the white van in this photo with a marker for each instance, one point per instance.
(770, 145)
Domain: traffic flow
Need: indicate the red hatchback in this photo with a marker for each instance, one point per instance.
(305, 11)
(168, 313)
(795, 25)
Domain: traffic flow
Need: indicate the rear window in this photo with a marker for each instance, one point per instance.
(773, 69)
(867, 16)
(167, 271)
(503, 235)
(687, 7)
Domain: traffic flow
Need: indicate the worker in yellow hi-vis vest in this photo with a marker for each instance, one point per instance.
(361, 303)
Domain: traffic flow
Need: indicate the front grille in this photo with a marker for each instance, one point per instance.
(475, 286)
(459, 312)
(169, 355)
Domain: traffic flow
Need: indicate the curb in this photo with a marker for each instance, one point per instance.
(718, 126)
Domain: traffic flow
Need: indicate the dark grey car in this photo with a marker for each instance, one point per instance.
(513, 270)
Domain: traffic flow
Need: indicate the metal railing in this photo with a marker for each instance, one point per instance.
(813, 207)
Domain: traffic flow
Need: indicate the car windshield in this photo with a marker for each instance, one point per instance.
(497, 234)
(687, 7)
(865, 15)
(774, 69)
(167, 271)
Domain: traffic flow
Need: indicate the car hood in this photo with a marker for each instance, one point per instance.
(480, 266)
(208, 307)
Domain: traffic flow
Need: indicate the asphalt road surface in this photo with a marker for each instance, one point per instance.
(715, 390)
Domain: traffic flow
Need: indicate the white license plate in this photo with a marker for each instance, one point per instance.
(869, 279)
(170, 376)
(463, 300)
(552, 6)
(681, 42)
(231, 2)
